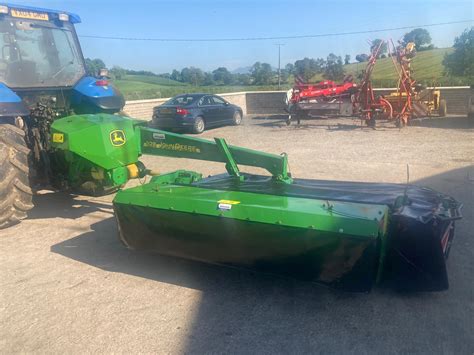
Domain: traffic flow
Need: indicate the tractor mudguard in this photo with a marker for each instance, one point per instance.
(11, 104)
(88, 97)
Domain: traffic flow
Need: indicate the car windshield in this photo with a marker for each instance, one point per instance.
(182, 100)
(38, 54)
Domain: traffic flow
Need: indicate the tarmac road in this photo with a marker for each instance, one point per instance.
(67, 284)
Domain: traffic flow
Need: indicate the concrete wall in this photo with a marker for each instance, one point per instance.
(237, 98)
(142, 108)
(273, 102)
(266, 102)
(456, 99)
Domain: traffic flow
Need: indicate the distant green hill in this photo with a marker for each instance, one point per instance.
(139, 87)
(427, 68)
(157, 80)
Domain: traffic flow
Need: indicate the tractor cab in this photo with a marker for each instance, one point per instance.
(43, 78)
(39, 50)
(41, 62)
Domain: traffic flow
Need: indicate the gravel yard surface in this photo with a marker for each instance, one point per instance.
(68, 285)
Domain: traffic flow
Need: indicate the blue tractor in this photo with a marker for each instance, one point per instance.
(42, 78)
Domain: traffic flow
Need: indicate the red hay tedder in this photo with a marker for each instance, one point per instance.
(349, 99)
(321, 99)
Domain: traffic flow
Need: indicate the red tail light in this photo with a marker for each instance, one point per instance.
(101, 83)
(181, 111)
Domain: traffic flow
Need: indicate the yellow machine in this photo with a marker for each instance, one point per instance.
(426, 102)
(431, 98)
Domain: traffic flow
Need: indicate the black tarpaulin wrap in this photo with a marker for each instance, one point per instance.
(414, 202)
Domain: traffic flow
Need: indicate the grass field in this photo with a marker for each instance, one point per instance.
(138, 87)
(427, 66)
(427, 69)
(155, 80)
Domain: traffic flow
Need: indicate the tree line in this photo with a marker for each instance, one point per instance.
(259, 73)
(460, 62)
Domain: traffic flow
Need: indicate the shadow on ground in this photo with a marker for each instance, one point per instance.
(332, 124)
(243, 312)
(453, 122)
(348, 124)
(64, 205)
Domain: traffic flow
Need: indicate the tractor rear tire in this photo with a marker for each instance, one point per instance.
(443, 108)
(15, 190)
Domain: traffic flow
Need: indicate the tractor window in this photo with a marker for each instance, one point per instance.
(67, 54)
(36, 54)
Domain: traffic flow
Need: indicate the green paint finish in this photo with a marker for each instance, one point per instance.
(231, 165)
(328, 241)
(367, 221)
(335, 243)
(110, 143)
(180, 177)
(339, 260)
(119, 176)
(107, 141)
(155, 142)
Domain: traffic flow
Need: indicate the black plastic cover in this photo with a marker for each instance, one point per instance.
(422, 203)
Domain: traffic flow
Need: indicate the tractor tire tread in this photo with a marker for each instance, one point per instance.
(15, 190)
(18, 146)
(13, 128)
(19, 165)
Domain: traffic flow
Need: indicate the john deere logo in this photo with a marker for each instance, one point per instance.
(117, 137)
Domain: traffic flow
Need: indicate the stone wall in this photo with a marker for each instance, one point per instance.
(273, 102)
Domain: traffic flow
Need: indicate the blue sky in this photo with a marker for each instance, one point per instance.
(238, 19)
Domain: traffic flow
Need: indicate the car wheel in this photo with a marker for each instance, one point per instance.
(199, 125)
(237, 119)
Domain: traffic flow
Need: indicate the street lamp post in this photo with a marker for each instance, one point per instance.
(279, 63)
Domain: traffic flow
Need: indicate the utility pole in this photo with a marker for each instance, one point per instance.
(279, 62)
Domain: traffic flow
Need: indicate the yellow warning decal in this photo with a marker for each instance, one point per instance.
(58, 138)
(229, 202)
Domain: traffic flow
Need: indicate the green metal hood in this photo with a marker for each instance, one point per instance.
(109, 141)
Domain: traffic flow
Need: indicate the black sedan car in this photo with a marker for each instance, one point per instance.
(195, 112)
